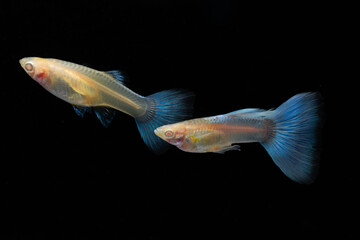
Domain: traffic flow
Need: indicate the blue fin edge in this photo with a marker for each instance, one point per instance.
(292, 141)
(104, 114)
(119, 76)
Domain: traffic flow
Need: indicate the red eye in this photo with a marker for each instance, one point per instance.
(29, 67)
(169, 133)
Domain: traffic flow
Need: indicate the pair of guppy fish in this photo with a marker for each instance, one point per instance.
(287, 133)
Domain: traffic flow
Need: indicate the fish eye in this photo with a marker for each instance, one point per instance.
(169, 133)
(29, 67)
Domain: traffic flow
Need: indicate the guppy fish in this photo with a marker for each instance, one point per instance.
(288, 133)
(87, 89)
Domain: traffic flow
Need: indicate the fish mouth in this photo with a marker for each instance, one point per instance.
(22, 61)
(159, 132)
(156, 132)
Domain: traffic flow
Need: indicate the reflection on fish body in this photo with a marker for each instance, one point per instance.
(87, 89)
(288, 133)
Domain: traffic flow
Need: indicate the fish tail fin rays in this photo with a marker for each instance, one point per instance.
(164, 108)
(293, 136)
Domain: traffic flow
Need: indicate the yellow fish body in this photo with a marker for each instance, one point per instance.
(288, 133)
(87, 88)
(214, 134)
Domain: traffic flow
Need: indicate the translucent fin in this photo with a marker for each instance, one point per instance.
(253, 112)
(293, 137)
(228, 148)
(105, 115)
(246, 111)
(117, 75)
(80, 111)
(164, 107)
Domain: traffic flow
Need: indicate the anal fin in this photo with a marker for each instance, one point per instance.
(104, 114)
(228, 148)
(80, 110)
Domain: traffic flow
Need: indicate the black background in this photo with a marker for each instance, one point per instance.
(63, 177)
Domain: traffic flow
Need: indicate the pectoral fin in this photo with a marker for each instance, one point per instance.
(82, 87)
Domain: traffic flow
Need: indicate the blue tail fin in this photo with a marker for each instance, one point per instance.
(165, 107)
(293, 136)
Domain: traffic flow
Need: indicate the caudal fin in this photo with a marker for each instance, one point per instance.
(293, 137)
(165, 107)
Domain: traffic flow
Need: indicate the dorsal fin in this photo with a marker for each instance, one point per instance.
(119, 76)
(253, 112)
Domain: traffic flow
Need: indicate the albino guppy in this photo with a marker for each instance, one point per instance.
(87, 88)
(288, 133)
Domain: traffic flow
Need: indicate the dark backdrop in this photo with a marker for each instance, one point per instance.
(63, 177)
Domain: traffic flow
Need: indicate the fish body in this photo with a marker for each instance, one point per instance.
(83, 86)
(103, 92)
(288, 133)
(217, 133)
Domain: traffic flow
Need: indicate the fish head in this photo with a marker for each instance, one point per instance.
(180, 135)
(173, 133)
(37, 69)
